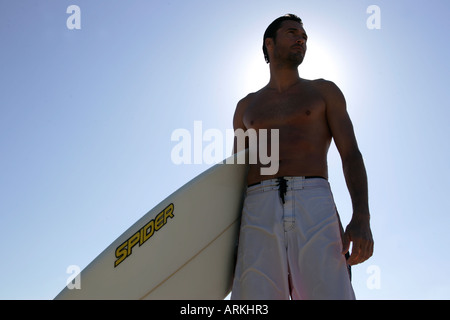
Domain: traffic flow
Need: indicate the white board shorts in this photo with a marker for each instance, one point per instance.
(291, 249)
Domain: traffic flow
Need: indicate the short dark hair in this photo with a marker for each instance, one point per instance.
(271, 31)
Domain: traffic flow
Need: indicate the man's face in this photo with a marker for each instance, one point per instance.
(290, 43)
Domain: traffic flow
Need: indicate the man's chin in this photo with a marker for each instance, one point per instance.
(296, 61)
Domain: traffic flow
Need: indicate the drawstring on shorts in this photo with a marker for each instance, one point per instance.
(282, 184)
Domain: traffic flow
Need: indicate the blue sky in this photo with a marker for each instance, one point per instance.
(86, 118)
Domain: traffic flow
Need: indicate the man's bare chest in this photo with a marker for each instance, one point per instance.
(279, 110)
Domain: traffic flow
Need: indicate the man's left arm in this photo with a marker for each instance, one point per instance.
(358, 230)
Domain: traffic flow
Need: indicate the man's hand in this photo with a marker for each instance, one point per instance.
(358, 232)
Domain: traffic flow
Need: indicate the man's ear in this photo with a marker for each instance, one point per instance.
(269, 43)
(269, 46)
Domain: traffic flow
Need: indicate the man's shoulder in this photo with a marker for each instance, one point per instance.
(328, 89)
(323, 84)
(246, 101)
(240, 110)
(249, 98)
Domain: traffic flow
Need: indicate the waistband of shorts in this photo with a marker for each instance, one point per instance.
(292, 182)
(292, 179)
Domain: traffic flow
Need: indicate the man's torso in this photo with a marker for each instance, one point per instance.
(299, 114)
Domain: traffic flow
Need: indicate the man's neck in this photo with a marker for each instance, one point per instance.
(282, 78)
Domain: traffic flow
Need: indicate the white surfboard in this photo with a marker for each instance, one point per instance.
(184, 248)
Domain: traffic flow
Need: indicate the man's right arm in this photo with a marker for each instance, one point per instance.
(238, 123)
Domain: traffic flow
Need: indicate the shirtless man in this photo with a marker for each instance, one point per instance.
(291, 243)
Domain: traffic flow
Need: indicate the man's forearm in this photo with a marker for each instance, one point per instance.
(358, 230)
(356, 179)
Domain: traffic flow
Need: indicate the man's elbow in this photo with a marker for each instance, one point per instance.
(351, 158)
